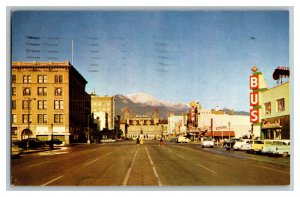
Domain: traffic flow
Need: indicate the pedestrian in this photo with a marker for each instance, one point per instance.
(161, 142)
(137, 140)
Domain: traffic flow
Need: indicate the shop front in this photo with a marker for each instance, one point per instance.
(276, 128)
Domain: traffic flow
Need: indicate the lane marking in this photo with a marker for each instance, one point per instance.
(91, 162)
(52, 180)
(273, 169)
(169, 150)
(38, 164)
(206, 168)
(108, 153)
(129, 170)
(180, 156)
(154, 170)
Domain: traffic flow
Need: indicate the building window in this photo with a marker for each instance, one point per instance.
(13, 104)
(42, 118)
(26, 104)
(268, 108)
(14, 118)
(13, 79)
(58, 104)
(58, 79)
(42, 104)
(58, 91)
(14, 91)
(280, 105)
(42, 78)
(25, 118)
(58, 118)
(26, 92)
(42, 91)
(26, 79)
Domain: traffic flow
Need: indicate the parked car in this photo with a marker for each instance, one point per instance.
(108, 140)
(182, 139)
(238, 144)
(257, 145)
(207, 142)
(33, 143)
(15, 149)
(277, 147)
(247, 146)
(283, 149)
(229, 143)
(54, 141)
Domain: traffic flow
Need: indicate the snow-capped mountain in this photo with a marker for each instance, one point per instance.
(147, 99)
(144, 104)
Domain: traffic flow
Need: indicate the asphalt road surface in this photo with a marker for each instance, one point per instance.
(148, 164)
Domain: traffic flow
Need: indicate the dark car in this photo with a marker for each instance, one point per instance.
(228, 144)
(54, 141)
(33, 143)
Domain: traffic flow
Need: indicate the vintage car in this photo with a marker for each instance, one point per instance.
(257, 145)
(182, 139)
(238, 144)
(207, 142)
(108, 140)
(229, 143)
(277, 147)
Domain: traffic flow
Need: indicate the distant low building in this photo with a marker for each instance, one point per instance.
(221, 125)
(143, 125)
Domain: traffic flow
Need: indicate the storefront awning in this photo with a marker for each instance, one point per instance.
(220, 134)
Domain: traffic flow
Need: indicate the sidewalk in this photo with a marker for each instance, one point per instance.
(36, 150)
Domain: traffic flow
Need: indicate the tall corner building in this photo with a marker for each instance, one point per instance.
(103, 108)
(48, 98)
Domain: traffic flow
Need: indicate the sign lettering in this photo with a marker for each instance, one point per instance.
(254, 82)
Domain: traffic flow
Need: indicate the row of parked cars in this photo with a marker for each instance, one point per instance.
(19, 146)
(270, 147)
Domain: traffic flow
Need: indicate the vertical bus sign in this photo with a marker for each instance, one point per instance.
(254, 99)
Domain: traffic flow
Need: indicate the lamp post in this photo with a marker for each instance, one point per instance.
(229, 123)
(88, 141)
(28, 119)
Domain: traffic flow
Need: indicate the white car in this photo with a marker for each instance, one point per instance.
(182, 139)
(238, 144)
(247, 146)
(277, 147)
(108, 140)
(207, 142)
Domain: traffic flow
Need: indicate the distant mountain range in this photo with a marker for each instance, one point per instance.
(145, 104)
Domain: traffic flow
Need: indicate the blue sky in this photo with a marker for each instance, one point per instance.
(177, 56)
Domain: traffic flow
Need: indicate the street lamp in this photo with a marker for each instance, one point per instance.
(88, 141)
(229, 123)
(28, 119)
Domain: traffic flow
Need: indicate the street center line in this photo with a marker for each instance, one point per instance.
(90, 162)
(180, 156)
(154, 170)
(38, 164)
(206, 168)
(52, 180)
(169, 150)
(273, 169)
(129, 170)
(108, 153)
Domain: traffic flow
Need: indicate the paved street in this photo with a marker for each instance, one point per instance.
(148, 164)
